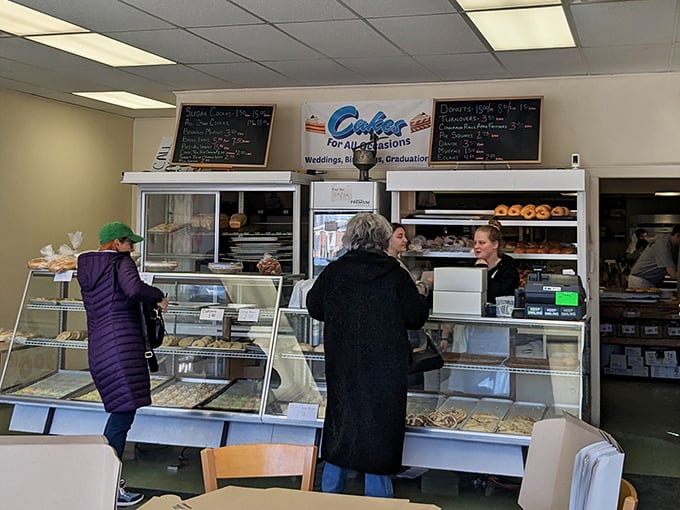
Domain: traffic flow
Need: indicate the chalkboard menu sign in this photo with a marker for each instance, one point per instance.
(486, 130)
(223, 136)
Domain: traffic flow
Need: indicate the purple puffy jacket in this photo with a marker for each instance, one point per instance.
(115, 343)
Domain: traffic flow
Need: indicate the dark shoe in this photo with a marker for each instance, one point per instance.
(126, 498)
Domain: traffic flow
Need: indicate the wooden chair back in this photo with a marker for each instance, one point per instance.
(628, 498)
(257, 461)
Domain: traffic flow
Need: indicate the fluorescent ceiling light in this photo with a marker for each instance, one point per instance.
(126, 100)
(19, 20)
(485, 5)
(667, 194)
(102, 49)
(524, 29)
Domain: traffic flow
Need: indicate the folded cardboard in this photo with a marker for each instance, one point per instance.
(550, 462)
(460, 279)
(458, 303)
(279, 499)
(74, 472)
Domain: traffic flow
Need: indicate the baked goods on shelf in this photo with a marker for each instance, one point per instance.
(482, 422)
(520, 424)
(501, 210)
(38, 263)
(269, 265)
(515, 210)
(165, 228)
(237, 220)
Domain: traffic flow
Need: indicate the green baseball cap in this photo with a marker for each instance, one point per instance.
(117, 230)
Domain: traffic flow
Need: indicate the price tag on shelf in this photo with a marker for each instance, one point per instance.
(64, 276)
(147, 278)
(303, 412)
(211, 314)
(248, 315)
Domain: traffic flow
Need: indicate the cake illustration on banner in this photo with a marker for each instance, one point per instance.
(315, 124)
(420, 122)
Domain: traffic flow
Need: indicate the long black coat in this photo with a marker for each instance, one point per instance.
(115, 346)
(367, 302)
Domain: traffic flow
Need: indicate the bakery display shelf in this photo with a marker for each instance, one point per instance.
(568, 221)
(465, 358)
(57, 385)
(186, 393)
(240, 395)
(91, 394)
(493, 408)
(422, 403)
(56, 306)
(52, 342)
(211, 352)
(310, 356)
(173, 256)
(471, 255)
(541, 364)
(514, 369)
(520, 418)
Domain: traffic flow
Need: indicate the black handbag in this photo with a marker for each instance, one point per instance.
(425, 356)
(153, 331)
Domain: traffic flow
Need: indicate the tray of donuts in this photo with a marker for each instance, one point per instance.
(544, 247)
(533, 212)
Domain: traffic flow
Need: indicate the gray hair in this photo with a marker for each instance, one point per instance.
(367, 231)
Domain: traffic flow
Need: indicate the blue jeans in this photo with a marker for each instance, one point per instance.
(333, 479)
(116, 430)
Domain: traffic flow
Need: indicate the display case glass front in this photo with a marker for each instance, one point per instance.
(500, 375)
(213, 358)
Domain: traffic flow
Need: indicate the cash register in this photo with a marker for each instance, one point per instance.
(551, 296)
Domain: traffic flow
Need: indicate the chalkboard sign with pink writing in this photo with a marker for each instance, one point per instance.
(498, 130)
(223, 136)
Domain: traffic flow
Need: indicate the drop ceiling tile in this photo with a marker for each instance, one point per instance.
(399, 7)
(296, 10)
(178, 45)
(98, 15)
(628, 59)
(257, 42)
(427, 35)
(317, 72)
(536, 63)
(627, 22)
(179, 77)
(197, 13)
(464, 67)
(65, 82)
(23, 50)
(389, 69)
(247, 74)
(354, 38)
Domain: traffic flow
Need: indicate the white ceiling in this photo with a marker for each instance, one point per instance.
(226, 44)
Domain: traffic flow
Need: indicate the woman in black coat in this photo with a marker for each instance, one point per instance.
(367, 302)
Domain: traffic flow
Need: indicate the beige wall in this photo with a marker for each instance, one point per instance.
(61, 168)
(622, 126)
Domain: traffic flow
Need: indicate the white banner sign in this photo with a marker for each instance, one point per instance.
(332, 130)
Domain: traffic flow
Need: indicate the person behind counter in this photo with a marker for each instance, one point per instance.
(112, 290)
(656, 261)
(639, 241)
(367, 303)
(502, 273)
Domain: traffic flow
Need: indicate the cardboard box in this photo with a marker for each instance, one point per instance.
(550, 463)
(458, 303)
(279, 499)
(74, 472)
(460, 279)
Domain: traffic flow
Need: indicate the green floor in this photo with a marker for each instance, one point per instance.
(637, 413)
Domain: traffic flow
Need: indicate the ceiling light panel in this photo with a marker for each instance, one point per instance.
(486, 5)
(101, 49)
(126, 100)
(19, 20)
(524, 29)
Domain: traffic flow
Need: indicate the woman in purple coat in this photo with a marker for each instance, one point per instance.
(111, 290)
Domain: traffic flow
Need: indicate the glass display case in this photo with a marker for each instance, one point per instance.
(212, 362)
(193, 220)
(476, 413)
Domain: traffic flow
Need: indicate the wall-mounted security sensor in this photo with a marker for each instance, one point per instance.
(575, 160)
